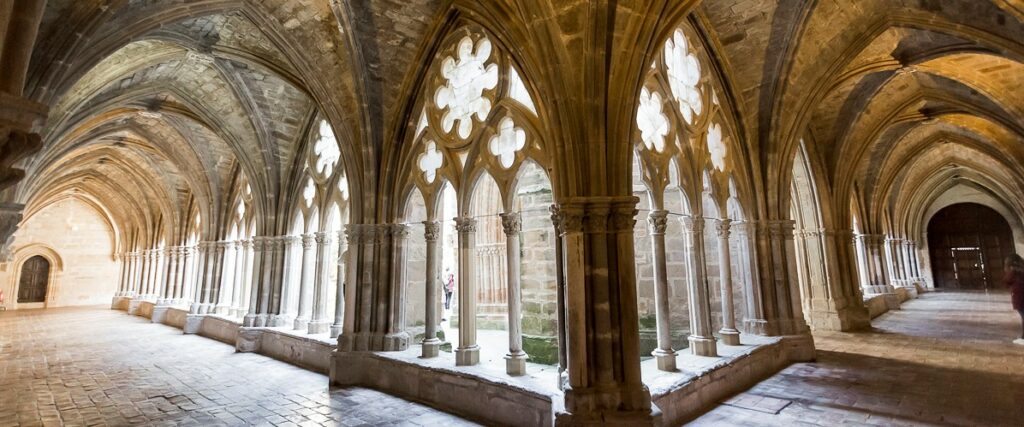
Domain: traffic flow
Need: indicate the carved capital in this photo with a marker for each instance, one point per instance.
(692, 224)
(308, 240)
(431, 230)
(512, 223)
(657, 222)
(399, 231)
(465, 224)
(722, 227)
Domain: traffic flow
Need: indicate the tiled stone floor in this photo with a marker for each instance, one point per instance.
(92, 366)
(944, 359)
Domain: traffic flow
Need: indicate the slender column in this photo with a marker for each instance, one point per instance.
(560, 316)
(914, 261)
(236, 288)
(339, 298)
(268, 281)
(432, 234)
(753, 322)
(121, 274)
(179, 275)
(247, 285)
(130, 289)
(214, 254)
(289, 291)
(657, 222)
(319, 324)
(515, 360)
(306, 281)
(396, 331)
(144, 278)
(702, 342)
(468, 352)
(255, 268)
(908, 261)
(730, 335)
(225, 250)
(172, 274)
(198, 273)
(188, 271)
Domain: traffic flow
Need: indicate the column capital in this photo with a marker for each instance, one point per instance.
(431, 230)
(290, 240)
(692, 223)
(512, 223)
(465, 224)
(598, 215)
(722, 227)
(657, 221)
(308, 240)
(399, 231)
(322, 237)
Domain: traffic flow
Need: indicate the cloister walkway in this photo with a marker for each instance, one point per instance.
(944, 359)
(96, 366)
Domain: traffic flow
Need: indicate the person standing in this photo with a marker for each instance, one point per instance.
(1013, 268)
(449, 288)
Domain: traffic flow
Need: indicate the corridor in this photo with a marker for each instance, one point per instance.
(95, 366)
(944, 359)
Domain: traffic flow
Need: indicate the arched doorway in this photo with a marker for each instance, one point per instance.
(35, 278)
(968, 243)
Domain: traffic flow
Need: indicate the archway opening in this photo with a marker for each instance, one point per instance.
(967, 244)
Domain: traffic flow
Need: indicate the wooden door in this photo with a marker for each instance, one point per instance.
(970, 268)
(968, 243)
(35, 277)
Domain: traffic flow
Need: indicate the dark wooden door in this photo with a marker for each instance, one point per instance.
(968, 243)
(35, 276)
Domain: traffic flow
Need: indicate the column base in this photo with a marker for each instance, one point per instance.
(222, 310)
(592, 406)
(515, 364)
(300, 324)
(133, 306)
(249, 320)
(238, 312)
(730, 336)
(318, 327)
(666, 359)
(755, 326)
(262, 320)
(192, 323)
(702, 346)
(431, 348)
(467, 356)
(280, 320)
(335, 330)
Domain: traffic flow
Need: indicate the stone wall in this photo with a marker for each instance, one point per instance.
(81, 240)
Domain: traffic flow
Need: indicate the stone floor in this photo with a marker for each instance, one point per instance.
(944, 359)
(94, 366)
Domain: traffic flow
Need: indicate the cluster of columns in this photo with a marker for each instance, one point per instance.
(312, 290)
(702, 340)
(902, 257)
(887, 263)
(163, 275)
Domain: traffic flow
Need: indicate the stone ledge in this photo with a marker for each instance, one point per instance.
(477, 392)
(704, 381)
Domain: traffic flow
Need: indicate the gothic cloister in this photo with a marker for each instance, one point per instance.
(510, 212)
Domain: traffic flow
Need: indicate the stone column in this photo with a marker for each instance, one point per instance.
(267, 265)
(256, 268)
(243, 300)
(306, 282)
(319, 324)
(143, 274)
(560, 316)
(289, 291)
(657, 222)
(880, 274)
(702, 341)
(396, 332)
(432, 234)
(225, 277)
(602, 337)
(515, 360)
(239, 273)
(730, 335)
(172, 274)
(468, 352)
(753, 322)
(123, 271)
(179, 274)
(130, 278)
(914, 261)
(339, 298)
(187, 282)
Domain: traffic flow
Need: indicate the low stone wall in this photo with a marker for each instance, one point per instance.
(876, 305)
(219, 328)
(175, 317)
(145, 309)
(683, 397)
(306, 352)
(466, 391)
(120, 303)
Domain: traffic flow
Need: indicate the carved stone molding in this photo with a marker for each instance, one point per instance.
(465, 224)
(722, 228)
(308, 240)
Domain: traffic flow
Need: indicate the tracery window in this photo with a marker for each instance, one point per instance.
(467, 77)
(683, 71)
(652, 121)
(326, 150)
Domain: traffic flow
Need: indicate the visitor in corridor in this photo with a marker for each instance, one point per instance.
(449, 288)
(1014, 279)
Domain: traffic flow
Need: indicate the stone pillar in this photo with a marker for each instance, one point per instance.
(431, 234)
(880, 275)
(271, 248)
(289, 290)
(372, 321)
(179, 274)
(468, 352)
(239, 277)
(122, 275)
(244, 298)
(657, 222)
(560, 316)
(276, 282)
(753, 322)
(143, 274)
(188, 282)
(702, 341)
(515, 360)
(602, 337)
(339, 298)
(256, 268)
(398, 234)
(172, 274)
(225, 277)
(730, 335)
(319, 324)
(306, 282)
(914, 261)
